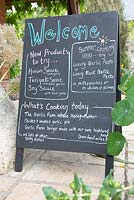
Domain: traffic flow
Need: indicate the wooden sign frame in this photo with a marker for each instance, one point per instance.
(109, 164)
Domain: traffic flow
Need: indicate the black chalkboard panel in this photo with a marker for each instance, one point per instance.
(68, 82)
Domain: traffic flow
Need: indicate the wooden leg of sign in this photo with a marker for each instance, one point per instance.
(19, 159)
(109, 164)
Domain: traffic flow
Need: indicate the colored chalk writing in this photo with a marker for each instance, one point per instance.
(68, 82)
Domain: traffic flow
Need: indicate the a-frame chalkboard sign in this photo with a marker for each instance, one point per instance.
(70, 73)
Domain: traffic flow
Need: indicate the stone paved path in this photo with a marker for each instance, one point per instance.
(42, 168)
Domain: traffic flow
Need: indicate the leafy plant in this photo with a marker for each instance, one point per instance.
(21, 12)
(115, 143)
(122, 113)
(15, 69)
(130, 26)
(24, 10)
(110, 190)
(14, 88)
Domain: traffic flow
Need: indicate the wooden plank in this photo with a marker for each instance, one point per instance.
(73, 7)
(2, 12)
(110, 159)
(19, 159)
(109, 164)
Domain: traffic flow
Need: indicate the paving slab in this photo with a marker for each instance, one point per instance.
(29, 160)
(62, 172)
(55, 172)
(2, 195)
(131, 198)
(81, 158)
(26, 191)
(56, 169)
(6, 183)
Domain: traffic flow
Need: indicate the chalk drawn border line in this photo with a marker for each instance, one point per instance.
(60, 139)
(76, 91)
(42, 98)
(19, 120)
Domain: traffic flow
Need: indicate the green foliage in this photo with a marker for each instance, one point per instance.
(126, 80)
(76, 184)
(24, 10)
(130, 25)
(79, 189)
(86, 190)
(54, 7)
(125, 61)
(116, 140)
(52, 194)
(131, 191)
(110, 190)
(15, 70)
(130, 95)
(16, 18)
(122, 112)
(13, 89)
(130, 30)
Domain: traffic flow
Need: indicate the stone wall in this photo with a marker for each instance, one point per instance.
(8, 119)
